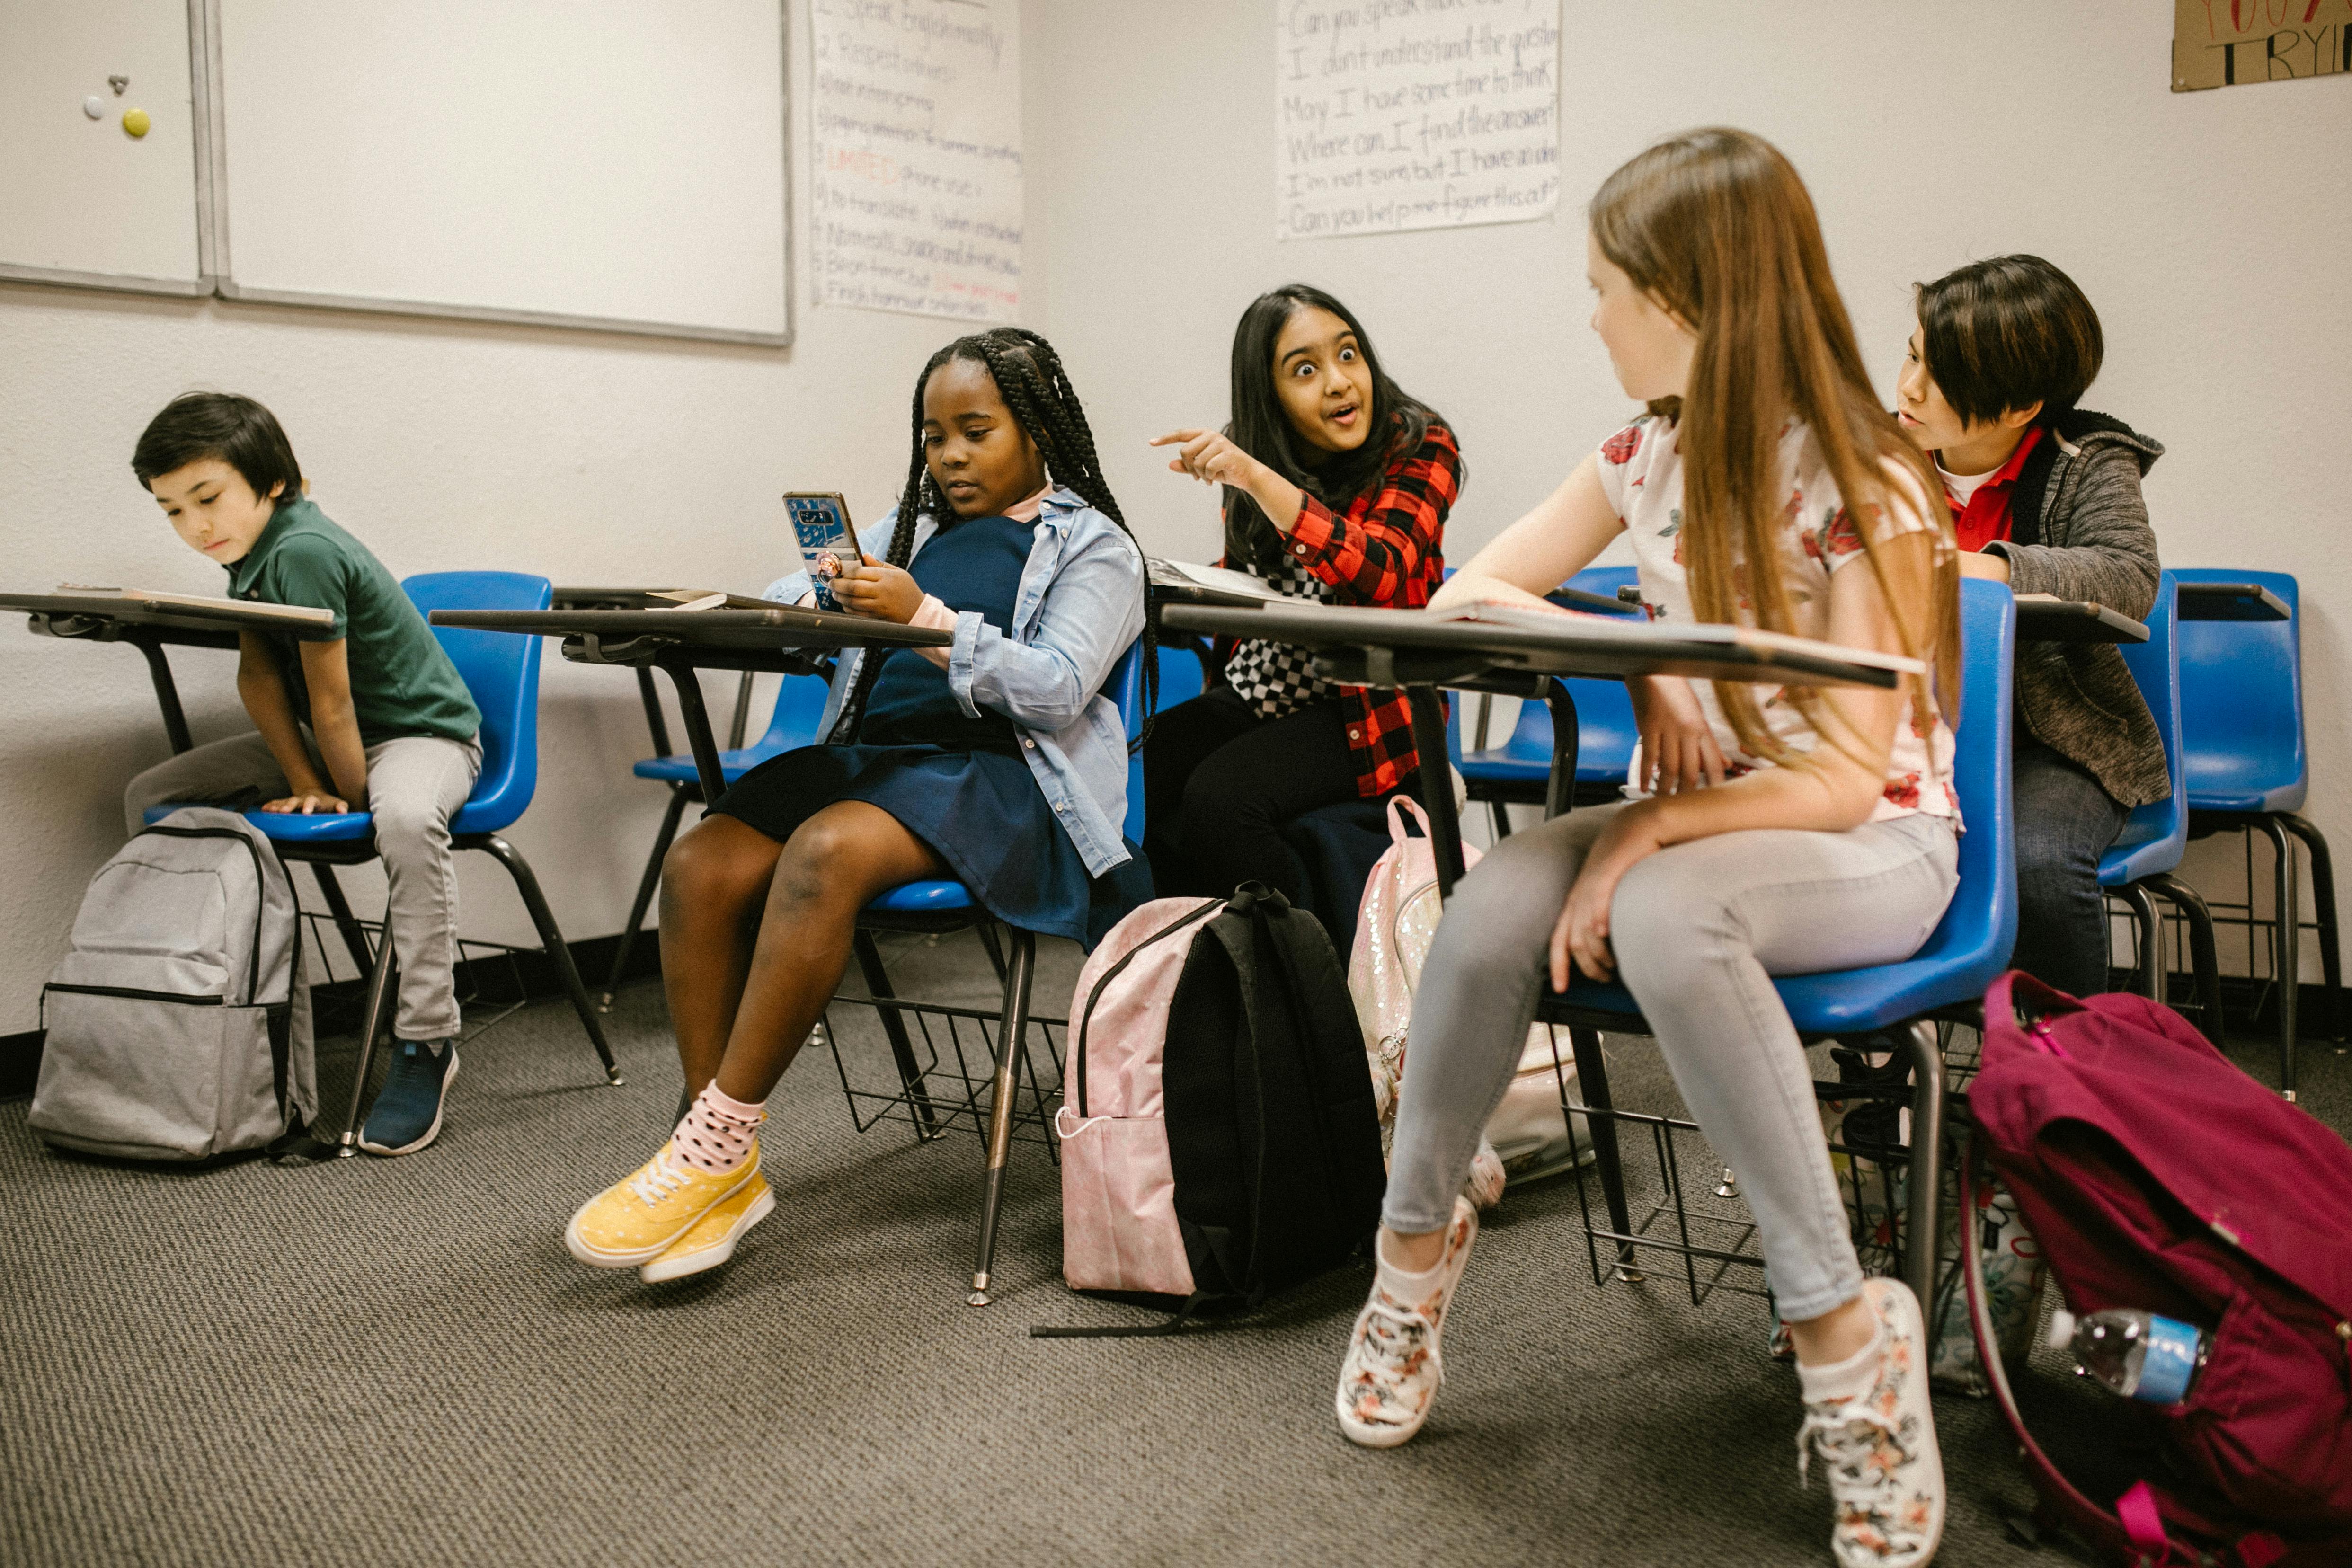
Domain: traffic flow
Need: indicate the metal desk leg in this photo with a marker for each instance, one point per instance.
(1919, 1256)
(704, 746)
(2287, 972)
(167, 691)
(1436, 785)
(1010, 1033)
(1559, 790)
(1592, 1086)
(894, 1026)
(679, 790)
(655, 725)
(2322, 895)
(339, 908)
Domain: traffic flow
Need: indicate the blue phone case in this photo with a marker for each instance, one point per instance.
(821, 525)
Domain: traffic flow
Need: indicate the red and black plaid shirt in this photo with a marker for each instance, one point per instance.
(1387, 549)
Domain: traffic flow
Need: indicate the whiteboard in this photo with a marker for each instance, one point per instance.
(614, 164)
(82, 201)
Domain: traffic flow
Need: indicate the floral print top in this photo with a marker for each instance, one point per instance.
(1640, 472)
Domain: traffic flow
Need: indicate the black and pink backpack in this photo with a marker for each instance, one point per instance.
(2159, 1175)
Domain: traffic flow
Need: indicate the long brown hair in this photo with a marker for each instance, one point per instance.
(1717, 226)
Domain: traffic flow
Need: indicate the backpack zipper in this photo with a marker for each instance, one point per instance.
(133, 994)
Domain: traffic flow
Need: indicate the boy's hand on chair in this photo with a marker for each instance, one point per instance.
(1581, 932)
(876, 588)
(307, 803)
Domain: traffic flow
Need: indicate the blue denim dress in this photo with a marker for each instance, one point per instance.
(956, 781)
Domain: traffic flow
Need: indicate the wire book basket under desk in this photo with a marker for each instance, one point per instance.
(1686, 1211)
(931, 1069)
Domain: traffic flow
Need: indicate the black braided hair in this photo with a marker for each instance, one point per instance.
(1036, 388)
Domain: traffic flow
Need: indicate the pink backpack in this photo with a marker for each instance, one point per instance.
(1118, 1189)
(1527, 1137)
(2159, 1175)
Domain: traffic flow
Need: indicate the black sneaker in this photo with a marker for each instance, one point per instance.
(406, 1114)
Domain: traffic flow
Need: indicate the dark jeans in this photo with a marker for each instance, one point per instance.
(2065, 823)
(1219, 782)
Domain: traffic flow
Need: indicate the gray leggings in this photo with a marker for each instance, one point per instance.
(1696, 930)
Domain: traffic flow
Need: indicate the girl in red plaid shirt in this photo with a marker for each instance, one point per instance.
(1337, 484)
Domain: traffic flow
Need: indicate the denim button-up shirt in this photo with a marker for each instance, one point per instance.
(1079, 604)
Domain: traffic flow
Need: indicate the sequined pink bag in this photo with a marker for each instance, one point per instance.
(1393, 929)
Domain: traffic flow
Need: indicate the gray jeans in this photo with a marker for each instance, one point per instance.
(415, 784)
(1696, 930)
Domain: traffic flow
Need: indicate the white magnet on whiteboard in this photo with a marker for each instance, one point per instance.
(94, 106)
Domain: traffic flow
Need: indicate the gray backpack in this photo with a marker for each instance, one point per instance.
(179, 1026)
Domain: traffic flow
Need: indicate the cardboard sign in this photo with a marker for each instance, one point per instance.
(2228, 43)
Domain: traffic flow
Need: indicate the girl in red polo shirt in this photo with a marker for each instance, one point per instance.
(1336, 484)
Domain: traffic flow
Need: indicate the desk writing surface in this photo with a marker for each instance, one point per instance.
(781, 627)
(2230, 602)
(2045, 618)
(1581, 645)
(85, 616)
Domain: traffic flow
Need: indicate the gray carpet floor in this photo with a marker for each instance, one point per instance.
(390, 1361)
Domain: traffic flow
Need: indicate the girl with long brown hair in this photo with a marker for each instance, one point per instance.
(1787, 830)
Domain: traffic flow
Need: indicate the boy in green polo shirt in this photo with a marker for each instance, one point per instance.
(376, 718)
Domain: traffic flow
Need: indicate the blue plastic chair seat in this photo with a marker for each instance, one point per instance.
(1605, 730)
(734, 764)
(925, 898)
(2156, 835)
(1970, 945)
(2242, 703)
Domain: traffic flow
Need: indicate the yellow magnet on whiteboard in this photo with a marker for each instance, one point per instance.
(136, 122)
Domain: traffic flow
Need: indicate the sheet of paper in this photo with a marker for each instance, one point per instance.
(1224, 579)
(916, 197)
(1427, 115)
(2229, 43)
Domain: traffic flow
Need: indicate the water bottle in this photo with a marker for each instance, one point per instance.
(2137, 1353)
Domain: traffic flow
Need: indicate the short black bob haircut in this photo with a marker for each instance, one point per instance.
(1398, 422)
(2006, 334)
(237, 430)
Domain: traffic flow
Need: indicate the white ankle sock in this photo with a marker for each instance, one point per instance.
(1848, 1379)
(1399, 1281)
(717, 1132)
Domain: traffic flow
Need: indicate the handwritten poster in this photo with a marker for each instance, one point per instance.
(2229, 43)
(1414, 114)
(916, 193)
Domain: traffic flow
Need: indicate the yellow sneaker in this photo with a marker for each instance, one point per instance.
(710, 1240)
(636, 1219)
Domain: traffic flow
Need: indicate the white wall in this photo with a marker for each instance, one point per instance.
(2202, 226)
(589, 458)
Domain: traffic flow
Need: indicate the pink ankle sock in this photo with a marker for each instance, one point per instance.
(716, 1135)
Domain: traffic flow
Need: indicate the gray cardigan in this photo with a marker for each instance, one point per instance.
(2078, 528)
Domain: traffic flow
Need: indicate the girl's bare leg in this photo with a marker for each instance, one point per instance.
(834, 865)
(714, 883)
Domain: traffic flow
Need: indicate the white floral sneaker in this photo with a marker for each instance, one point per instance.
(1886, 1474)
(1395, 1368)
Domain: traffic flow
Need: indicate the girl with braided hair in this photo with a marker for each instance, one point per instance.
(997, 762)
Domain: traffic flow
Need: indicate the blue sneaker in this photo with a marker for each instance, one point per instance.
(406, 1114)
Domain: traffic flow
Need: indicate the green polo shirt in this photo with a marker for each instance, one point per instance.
(403, 683)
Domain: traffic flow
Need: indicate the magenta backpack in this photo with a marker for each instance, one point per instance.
(2159, 1175)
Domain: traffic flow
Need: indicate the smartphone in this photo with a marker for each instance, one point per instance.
(821, 525)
